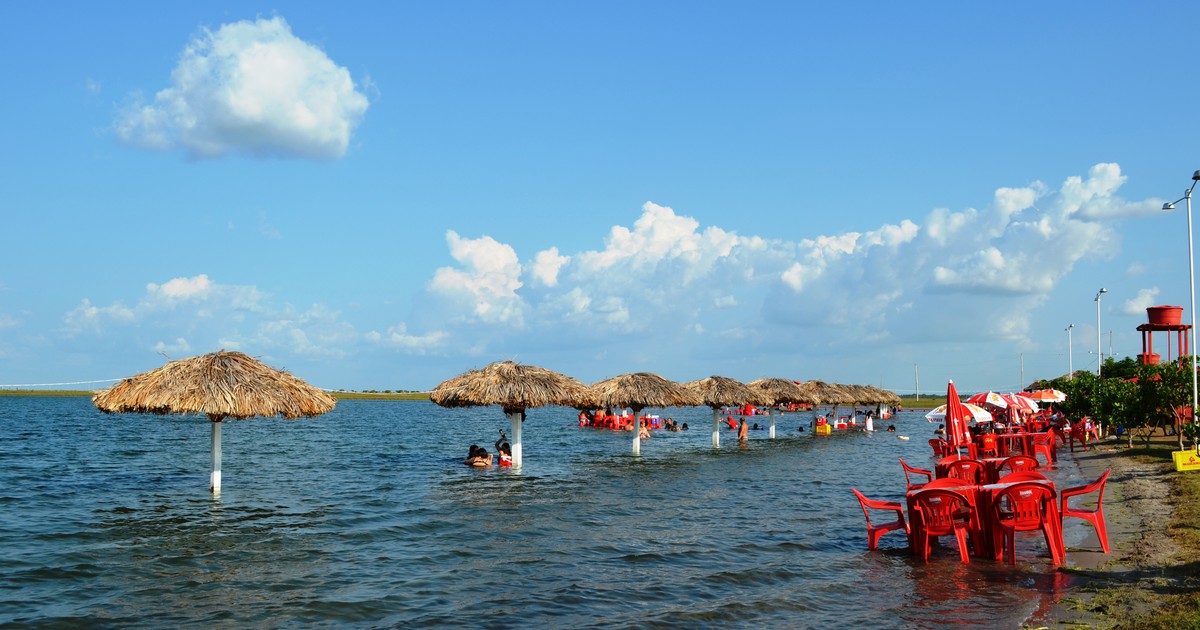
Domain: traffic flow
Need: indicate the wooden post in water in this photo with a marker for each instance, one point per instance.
(716, 428)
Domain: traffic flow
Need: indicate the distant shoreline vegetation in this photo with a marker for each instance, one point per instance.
(340, 395)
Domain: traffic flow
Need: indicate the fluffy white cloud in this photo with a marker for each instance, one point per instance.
(251, 88)
(215, 315)
(951, 276)
(180, 287)
(177, 349)
(546, 265)
(1137, 305)
(488, 284)
(397, 336)
(87, 316)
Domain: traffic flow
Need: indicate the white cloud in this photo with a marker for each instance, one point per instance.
(215, 315)
(398, 337)
(180, 287)
(177, 349)
(546, 265)
(960, 275)
(1138, 303)
(88, 317)
(488, 284)
(252, 88)
(8, 321)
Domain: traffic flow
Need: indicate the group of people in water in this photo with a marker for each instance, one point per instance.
(479, 457)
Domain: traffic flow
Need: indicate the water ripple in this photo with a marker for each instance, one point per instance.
(367, 518)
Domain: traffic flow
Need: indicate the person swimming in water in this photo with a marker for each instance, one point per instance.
(478, 457)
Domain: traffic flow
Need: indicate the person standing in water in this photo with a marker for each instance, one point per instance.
(743, 431)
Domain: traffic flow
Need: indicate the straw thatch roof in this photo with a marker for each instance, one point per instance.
(884, 396)
(513, 386)
(220, 385)
(642, 389)
(782, 391)
(826, 393)
(869, 395)
(721, 391)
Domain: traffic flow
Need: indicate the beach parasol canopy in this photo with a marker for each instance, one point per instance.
(780, 391)
(973, 412)
(220, 385)
(640, 390)
(515, 388)
(1046, 395)
(989, 398)
(722, 391)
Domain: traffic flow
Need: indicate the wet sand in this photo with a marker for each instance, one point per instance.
(1136, 510)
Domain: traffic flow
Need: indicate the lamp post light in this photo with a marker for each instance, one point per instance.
(1187, 196)
(1070, 360)
(1099, 348)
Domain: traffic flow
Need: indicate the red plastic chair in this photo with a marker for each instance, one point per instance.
(909, 471)
(1046, 445)
(941, 513)
(1096, 516)
(1018, 463)
(939, 449)
(946, 482)
(1025, 507)
(1028, 475)
(875, 532)
(969, 470)
(1077, 434)
(988, 446)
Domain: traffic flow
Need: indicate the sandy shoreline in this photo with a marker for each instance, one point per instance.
(1136, 510)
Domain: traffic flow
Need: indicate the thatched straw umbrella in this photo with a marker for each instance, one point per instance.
(721, 391)
(515, 388)
(780, 391)
(826, 394)
(640, 390)
(220, 385)
(885, 397)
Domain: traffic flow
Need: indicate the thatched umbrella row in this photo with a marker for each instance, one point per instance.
(233, 385)
(503, 384)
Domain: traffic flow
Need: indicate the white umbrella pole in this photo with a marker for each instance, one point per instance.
(771, 415)
(215, 480)
(716, 428)
(637, 432)
(515, 443)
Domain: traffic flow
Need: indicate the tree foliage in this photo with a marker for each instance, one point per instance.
(1137, 398)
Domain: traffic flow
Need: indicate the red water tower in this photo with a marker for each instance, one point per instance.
(1166, 319)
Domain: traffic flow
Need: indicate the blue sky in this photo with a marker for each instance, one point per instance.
(382, 197)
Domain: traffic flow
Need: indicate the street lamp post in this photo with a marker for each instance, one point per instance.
(1099, 348)
(1070, 361)
(1187, 196)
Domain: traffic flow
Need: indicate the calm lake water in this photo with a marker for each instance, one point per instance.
(366, 517)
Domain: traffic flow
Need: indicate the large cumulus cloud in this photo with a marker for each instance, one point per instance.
(252, 88)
